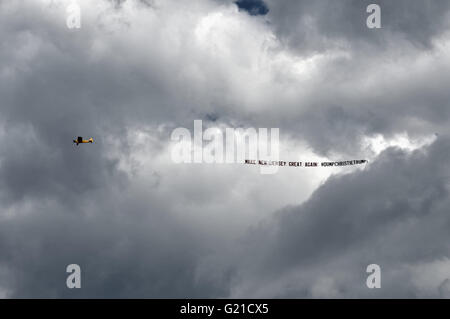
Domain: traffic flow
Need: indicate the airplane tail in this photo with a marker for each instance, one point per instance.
(91, 140)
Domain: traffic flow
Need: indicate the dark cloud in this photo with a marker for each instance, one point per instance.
(394, 213)
(121, 251)
(326, 24)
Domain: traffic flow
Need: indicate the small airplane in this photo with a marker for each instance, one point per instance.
(80, 140)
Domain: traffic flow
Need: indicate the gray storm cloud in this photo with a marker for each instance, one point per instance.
(141, 226)
(395, 213)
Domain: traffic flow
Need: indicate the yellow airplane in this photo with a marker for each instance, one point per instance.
(80, 140)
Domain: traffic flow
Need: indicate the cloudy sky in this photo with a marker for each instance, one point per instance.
(140, 225)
